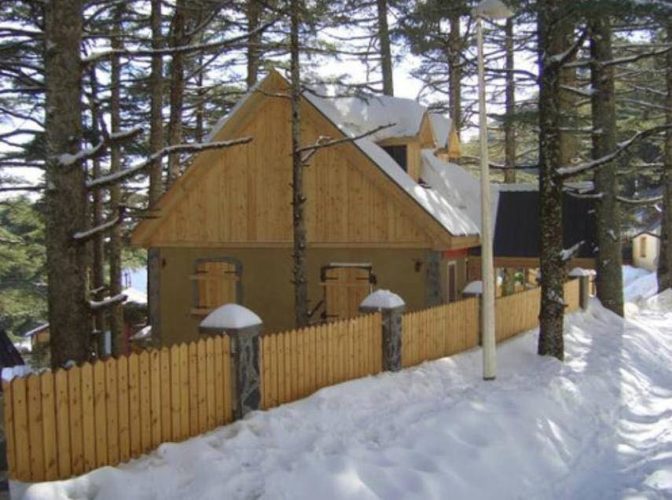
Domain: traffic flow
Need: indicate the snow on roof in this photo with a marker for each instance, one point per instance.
(457, 186)
(37, 330)
(452, 218)
(143, 333)
(441, 126)
(363, 113)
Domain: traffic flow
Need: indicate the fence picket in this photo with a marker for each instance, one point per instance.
(166, 390)
(100, 413)
(210, 383)
(35, 430)
(155, 398)
(134, 404)
(219, 380)
(123, 412)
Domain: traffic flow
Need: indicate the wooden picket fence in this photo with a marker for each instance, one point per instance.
(64, 423)
(296, 363)
(439, 331)
(72, 421)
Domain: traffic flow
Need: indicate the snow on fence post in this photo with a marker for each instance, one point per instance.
(243, 328)
(391, 307)
(584, 276)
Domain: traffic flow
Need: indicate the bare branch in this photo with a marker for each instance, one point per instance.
(121, 175)
(641, 201)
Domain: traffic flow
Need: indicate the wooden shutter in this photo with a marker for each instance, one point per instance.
(216, 285)
(344, 289)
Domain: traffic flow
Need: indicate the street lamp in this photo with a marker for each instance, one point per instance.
(488, 9)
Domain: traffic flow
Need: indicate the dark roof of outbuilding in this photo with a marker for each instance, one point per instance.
(517, 224)
(9, 355)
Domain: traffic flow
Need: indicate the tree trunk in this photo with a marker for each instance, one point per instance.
(508, 274)
(603, 103)
(298, 197)
(551, 42)
(510, 95)
(116, 311)
(176, 90)
(156, 97)
(97, 250)
(66, 197)
(455, 73)
(253, 12)
(385, 51)
(155, 144)
(665, 255)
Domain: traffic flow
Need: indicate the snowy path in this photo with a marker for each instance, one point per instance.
(597, 426)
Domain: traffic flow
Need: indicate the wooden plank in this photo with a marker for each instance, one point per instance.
(201, 370)
(112, 405)
(22, 439)
(123, 409)
(165, 391)
(193, 389)
(155, 398)
(281, 373)
(35, 431)
(100, 413)
(47, 391)
(88, 417)
(175, 390)
(134, 405)
(300, 336)
(76, 425)
(145, 403)
(289, 383)
(218, 380)
(8, 410)
(209, 383)
(184, 392)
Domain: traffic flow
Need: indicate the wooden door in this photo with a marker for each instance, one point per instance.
(344, 289)
(216, 284)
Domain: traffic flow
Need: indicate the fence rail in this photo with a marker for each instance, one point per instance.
(68, 422)
(72, 421)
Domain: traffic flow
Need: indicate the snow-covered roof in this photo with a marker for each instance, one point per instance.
(36, 330)
(451, 217)
(441, 126)
(362, 113)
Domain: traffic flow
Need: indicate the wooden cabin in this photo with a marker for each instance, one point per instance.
(223, 232)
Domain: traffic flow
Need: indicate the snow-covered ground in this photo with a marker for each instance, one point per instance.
(598, 425)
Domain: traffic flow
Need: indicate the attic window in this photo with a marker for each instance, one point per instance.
(398, 154)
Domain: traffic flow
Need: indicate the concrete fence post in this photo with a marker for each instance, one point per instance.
(584, 276)
(244, 329)
(391, 306)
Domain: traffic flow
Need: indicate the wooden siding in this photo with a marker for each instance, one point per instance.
(242, 195)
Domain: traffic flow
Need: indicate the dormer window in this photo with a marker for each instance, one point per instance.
(398, 154)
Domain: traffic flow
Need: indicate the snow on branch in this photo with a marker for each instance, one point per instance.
(114, 178)
(84, 236)
(326, 142)
(569, 253)
(96, 305)
(562, 58)
(641, 201)
(571, 171)
(184, 49)
(67, 159)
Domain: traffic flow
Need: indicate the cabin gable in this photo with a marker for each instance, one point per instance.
(240, 196)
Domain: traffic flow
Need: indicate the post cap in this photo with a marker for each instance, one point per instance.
(381, 300)
(230, 317)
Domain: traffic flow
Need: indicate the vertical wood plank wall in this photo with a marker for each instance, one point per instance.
(67, 422)
(71, 421)
(297, 363)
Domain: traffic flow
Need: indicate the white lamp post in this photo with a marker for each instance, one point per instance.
(490, 9)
